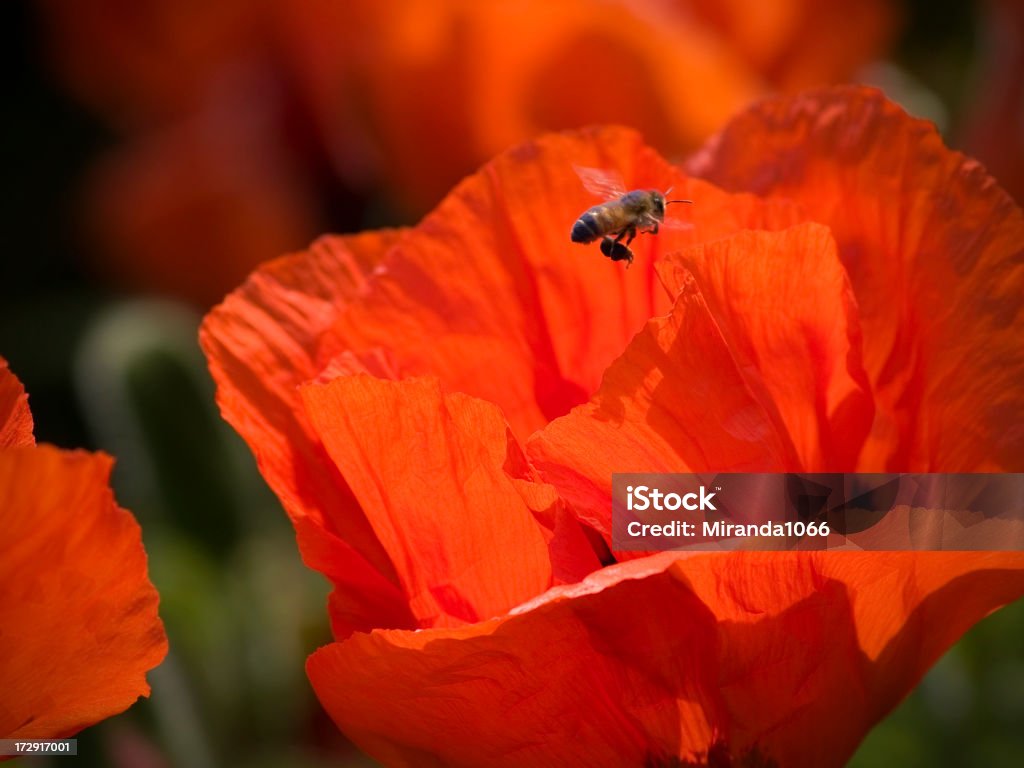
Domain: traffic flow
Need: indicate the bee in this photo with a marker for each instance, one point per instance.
(621, 217)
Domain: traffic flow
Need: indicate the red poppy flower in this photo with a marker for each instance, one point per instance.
(440, 410)
(78, 614)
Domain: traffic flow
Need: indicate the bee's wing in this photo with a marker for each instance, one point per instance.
(607, 185)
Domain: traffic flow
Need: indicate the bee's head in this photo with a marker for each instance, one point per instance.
(658, 203)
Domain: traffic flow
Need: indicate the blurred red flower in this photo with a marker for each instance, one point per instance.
(436, 88)
(232, 113)
(78, 616)
(440, 410)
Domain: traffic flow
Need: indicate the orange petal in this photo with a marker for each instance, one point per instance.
(745, 661)
(787, 313)
(489, 293)
(430, 472)
(933, 249)
(362, 598)
(675, 401)
(261, 344)
(78, 614)
(15, 417)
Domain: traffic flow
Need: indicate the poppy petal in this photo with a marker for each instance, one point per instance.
(675, 401)
(582, 676)
(933, 249)
(15, 417)
(786, 310)
(362, 598)
(489, 294)
(79, 615)
(430, 472)
(261, 344)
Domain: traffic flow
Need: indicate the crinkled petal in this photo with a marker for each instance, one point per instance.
(677, 400)
(935, 253)
(582, 676)
(489, 294)
(261, 344)
(15, 417)
(78, 616)
(429, 470)
(786, 310)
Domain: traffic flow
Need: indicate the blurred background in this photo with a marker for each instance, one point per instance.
(155, 151)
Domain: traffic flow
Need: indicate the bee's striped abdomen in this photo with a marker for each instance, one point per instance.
(587, 228)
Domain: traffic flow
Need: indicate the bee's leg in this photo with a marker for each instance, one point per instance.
(616, 251)
(627, 230)
(628, 255)
(648, 225)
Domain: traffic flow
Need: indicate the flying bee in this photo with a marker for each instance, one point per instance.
(621, 217)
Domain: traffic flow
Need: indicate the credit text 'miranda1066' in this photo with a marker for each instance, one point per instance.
(858, 511)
